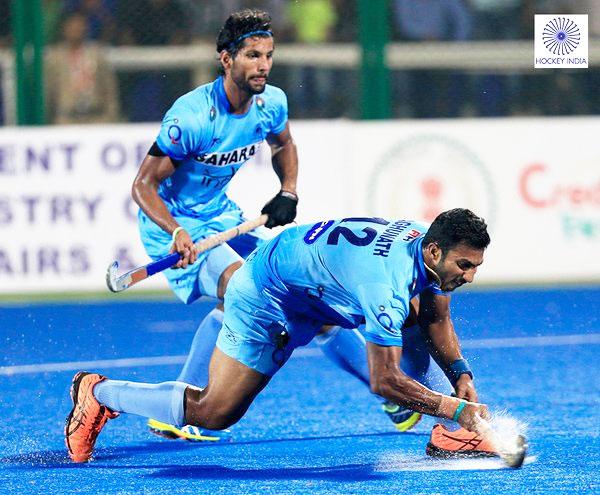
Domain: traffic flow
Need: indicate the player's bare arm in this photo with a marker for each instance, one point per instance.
(153, 170)
(282, 208)
(285, 159)
(436, 322)
(388, 380)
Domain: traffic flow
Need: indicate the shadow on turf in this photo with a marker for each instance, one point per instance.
(59, 458)
(347, 472)
(54, 459)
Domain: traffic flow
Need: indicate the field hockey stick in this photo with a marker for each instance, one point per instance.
(120, 283)
(511, 451)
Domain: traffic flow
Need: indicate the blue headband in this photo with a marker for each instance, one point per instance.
(247, 35)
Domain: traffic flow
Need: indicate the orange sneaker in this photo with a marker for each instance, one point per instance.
(458, 444)
(87, 418)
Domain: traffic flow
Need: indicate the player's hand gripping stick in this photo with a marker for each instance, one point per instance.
(122, 282)
(281, 209)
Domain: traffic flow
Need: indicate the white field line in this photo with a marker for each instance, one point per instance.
(541, 341)
(556, 340)
(172, 326)
(82, 365)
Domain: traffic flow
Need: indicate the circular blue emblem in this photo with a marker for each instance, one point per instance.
(385, 321)
(174, 133)
(561, 36)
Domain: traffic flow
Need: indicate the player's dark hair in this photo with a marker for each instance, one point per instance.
(239, 24)
(457, 226)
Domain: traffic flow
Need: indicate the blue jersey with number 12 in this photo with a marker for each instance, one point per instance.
(347, 271)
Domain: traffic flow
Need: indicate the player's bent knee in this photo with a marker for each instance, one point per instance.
(203, 412)
(220, 422)
(213, 420)
(225, 277)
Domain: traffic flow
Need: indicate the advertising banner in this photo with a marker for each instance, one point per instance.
(535, 181)
(65, 205)
(66, 210)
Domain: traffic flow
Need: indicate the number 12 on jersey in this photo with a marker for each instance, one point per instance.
(348, 234)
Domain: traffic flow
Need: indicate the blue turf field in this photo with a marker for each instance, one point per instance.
(314, 429)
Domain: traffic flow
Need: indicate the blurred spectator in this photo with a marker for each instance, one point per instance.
(313, 20)
(282, 25)
(152, 22)
(80, 86)
(432, 20)
(347, 25)
(277, 9)
(434, 93)
(146, 93)
(496, 19)
(311, 87)
(206, 18)
(559, 92)
(100, 17)
(51, 20)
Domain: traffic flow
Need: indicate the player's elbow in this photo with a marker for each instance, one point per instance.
(139, 188)
(135, 192)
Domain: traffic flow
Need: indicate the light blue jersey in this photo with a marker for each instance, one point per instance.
(343, 272)
(347, 271)
(209, 145)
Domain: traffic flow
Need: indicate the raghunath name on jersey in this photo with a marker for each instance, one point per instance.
(209, 145)
(342, 272)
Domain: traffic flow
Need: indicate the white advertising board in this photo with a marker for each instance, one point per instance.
(535, 181)
(65, 208)
(66, 211)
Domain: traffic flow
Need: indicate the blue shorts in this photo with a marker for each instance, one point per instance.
(201, 278)
(256, 331)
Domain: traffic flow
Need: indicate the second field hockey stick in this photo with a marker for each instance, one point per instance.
(120, 283)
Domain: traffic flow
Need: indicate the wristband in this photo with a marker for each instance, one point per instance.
(459, 409)
(457, 368)
(288, 194)
(175, 232)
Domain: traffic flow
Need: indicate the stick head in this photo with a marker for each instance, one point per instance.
(111, 277)
(515, 459)
(503, 432)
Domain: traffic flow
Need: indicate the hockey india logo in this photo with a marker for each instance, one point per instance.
(422, 176)
(561, 36)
